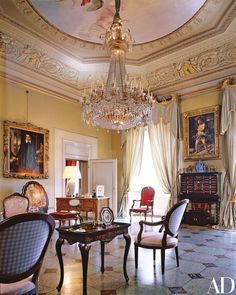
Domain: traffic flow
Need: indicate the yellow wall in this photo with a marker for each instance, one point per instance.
(51, 113)
(47, 111)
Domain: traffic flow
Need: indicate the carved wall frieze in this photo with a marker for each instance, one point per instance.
(206, 62)
(37, 60)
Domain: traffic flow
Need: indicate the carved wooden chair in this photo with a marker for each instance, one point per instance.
(15, 204)
(23, 244)
(38, 198)
(145, 203)
(166, 238)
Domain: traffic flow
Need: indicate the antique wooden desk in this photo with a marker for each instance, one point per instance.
(85, 234)
(86, 204)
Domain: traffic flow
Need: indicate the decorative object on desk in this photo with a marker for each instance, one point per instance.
(100, 190)
(201, 166)
(107, 216)
(25, 150)
(122, 103)
(72, 175)
(201, 134)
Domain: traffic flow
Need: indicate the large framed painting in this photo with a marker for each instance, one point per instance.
(25, 150)
(201, 134)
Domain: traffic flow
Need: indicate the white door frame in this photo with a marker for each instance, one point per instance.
(69, 145)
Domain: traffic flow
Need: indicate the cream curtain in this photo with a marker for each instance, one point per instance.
(132, 160)
(164, 141)
(228, 128)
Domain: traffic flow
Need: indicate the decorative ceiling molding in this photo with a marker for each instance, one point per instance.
(205, 62)
(201, 27)
(37, 60)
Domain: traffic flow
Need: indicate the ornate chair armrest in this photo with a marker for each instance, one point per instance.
(142, 222)
(134, 202)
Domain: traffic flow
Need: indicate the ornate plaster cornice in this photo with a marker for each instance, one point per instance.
(206, 62)
(199, 28)
(37, 60)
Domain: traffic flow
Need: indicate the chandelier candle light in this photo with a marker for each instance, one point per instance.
(122, 103)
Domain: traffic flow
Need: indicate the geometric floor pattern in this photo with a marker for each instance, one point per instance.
(205, 253)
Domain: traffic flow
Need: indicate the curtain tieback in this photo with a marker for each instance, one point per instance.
(233, 199)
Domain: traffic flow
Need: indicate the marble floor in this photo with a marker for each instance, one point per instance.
(205, 254)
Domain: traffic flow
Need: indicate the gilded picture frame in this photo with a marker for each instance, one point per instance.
(201, 134)
(26, 150)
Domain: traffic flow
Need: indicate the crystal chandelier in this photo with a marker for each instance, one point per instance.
(122, 103)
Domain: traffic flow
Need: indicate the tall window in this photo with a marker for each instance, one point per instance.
(148, 177)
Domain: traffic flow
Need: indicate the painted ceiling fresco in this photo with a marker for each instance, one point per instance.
(147, 20)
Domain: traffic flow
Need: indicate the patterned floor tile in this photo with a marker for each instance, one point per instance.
(189, 251)
(195, 276)
(209, 264)
(177, 290)
(204, 253)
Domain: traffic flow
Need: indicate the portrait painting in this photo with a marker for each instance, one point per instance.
(25, 150)
(201, 134)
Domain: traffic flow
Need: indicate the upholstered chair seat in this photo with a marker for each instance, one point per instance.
(25, 286)
(155, 240)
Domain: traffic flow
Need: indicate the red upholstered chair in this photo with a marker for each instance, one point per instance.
(145, 203)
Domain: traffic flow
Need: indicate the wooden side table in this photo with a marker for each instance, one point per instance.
(86, 205)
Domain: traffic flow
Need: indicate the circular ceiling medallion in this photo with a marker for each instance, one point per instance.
(147, 20)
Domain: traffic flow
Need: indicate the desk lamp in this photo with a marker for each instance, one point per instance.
(72, 174)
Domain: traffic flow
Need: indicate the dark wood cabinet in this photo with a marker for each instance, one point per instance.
(203, 191)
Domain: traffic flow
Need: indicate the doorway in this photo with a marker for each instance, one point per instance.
(83, 167)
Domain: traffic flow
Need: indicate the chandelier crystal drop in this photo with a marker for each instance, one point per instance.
(122, 103)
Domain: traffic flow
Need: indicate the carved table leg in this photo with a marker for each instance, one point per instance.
(102, 256)
(59, 243)
(84, 249)
(127, 246)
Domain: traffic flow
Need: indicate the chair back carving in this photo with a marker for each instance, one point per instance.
(147, 196)
(37, 196)
(23, 244)
(15, 204)
(174, 217)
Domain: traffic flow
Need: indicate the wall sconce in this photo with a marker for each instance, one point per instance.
(72, 174)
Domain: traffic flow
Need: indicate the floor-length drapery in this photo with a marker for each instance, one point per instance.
(228, 128)
(163, 134)
(132, 159)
